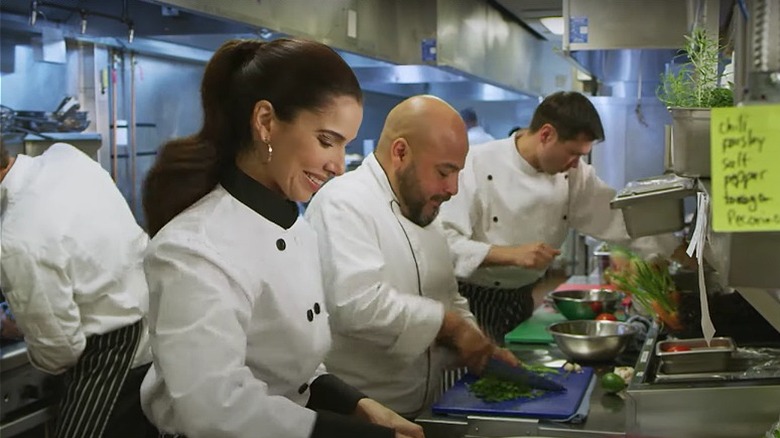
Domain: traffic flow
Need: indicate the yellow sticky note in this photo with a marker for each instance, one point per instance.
(745, 146)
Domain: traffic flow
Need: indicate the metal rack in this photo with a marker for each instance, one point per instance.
(726, 404)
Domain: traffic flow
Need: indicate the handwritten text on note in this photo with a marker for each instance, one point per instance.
(745, 146)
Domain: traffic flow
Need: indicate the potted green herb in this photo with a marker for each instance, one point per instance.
(690, 93)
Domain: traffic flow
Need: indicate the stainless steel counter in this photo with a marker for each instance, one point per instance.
(28, 394)
(717, 407)
(687, 409)
(606, 418)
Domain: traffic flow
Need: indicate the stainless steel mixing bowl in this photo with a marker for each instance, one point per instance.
(592, 341)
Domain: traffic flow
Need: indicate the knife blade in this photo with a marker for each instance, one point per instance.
(504, 371)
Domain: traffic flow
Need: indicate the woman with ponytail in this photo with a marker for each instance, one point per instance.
(237, 316)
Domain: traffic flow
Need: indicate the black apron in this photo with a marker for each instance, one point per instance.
(101, 393)
(498, 310)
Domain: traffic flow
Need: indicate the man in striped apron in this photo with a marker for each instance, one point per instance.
(72, 275)
(519, 198)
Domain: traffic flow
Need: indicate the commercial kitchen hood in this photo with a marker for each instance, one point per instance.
(464, 49)
(399, 48)
(382, 76)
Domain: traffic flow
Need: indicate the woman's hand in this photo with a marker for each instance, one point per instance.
(376, 413)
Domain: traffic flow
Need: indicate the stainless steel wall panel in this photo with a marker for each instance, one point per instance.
(638, 24)
(476, 38)
(35, 85)
(389, 30)
(634, 144)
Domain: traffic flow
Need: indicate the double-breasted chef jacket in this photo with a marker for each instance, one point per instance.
(388, 283)
(63, 277)
(503, 200)
(239, 323)
(71, 272)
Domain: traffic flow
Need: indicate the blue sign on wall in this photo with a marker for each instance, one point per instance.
(428, 47)
(578, 29)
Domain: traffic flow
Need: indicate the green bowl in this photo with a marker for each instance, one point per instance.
(585, 304)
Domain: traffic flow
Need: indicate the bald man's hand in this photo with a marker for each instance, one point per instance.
(537, 255)
(470, 344)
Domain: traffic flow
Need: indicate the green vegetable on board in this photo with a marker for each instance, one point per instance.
(492, 389)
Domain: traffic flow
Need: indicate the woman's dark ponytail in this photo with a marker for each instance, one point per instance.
(188, 168)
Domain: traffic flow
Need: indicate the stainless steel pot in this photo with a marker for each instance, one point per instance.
(691, 142)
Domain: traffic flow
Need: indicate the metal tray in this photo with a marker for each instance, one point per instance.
(700, 359)
(654, 205)
(735, 370)
(752, 363)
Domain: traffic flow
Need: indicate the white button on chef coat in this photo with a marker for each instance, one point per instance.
(388, 282)
(62, 274)
(239, 323)
(503, 200)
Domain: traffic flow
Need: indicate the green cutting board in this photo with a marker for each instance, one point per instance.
(534, 330)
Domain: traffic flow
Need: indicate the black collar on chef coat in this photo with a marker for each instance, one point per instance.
(260, 198)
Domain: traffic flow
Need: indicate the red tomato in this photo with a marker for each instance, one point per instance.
(678, 348)
(606, 317)
(595, 306)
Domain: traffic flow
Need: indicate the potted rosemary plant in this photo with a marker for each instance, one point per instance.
(689, 93)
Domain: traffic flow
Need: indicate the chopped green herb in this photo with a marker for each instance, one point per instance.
(492, 389)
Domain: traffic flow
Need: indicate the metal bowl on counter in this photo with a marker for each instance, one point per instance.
(585, 304)
(592, 341)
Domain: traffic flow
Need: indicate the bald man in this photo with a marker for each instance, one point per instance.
(395, 312)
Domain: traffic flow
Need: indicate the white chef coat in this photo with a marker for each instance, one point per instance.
(478, 135)
(238, 318)
(388, 283)
(71, 256)
(503, 200)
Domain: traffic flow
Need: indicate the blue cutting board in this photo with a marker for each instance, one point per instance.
(458, 400)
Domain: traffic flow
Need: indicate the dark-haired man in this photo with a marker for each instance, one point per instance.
(518, 198)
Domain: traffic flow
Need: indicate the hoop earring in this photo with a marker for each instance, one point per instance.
(270, 151)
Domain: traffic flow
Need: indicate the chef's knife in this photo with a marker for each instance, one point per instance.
(504, 371)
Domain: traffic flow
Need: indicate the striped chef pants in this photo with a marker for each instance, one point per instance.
(101, 395)
(498, 311)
